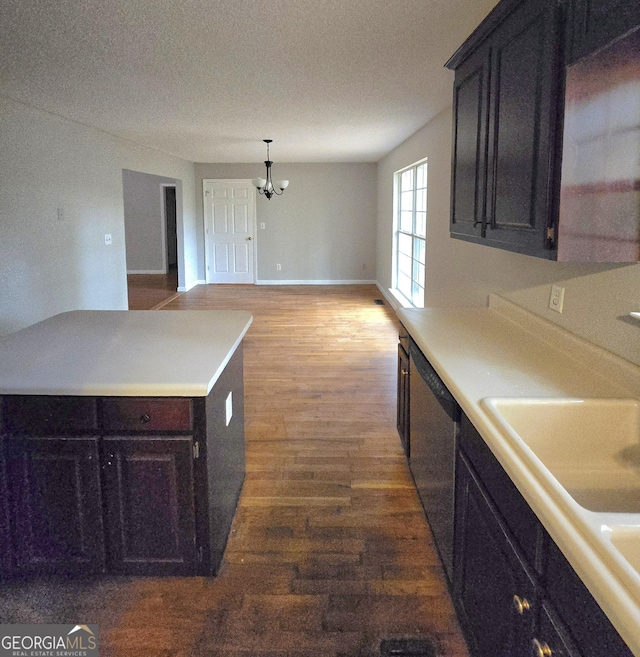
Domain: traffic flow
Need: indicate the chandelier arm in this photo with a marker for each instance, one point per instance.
(269, 189)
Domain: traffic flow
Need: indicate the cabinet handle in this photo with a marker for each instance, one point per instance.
(521, 604)
(541, 649)
(145, 418)
(404, 372)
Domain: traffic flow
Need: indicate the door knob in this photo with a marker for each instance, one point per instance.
(249, 238)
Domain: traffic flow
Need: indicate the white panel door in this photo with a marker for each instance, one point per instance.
(229, 214)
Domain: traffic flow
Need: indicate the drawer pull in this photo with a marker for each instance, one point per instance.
(521, 604)
(541, 649)
(145, 418)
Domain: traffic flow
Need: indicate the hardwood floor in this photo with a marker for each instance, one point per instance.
(151, 291)
(329, 552)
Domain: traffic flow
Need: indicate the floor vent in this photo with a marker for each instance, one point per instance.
(415, 647)
(378, 302)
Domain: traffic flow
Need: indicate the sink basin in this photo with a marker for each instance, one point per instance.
(590, 446)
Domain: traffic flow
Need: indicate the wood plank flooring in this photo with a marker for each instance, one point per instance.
(329, 552)
(151, 291)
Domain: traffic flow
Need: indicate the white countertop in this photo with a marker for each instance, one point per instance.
(505, 351)
(122, 353)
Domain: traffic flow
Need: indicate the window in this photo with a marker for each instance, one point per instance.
(411, 233)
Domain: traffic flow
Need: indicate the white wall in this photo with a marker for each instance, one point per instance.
(144, 221)
(321, 229)
(464, 274)
(49, 266)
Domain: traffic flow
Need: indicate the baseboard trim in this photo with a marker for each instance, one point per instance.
(316, 282)
(146, 271)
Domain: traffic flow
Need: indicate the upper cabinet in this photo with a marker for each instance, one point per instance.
(504, 133)
(508, 122)
(592, 24)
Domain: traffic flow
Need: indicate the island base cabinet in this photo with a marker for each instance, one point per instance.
(6, 547)
(149, 503)
(121, 485)
(53, 486)
(219, 484)
(493, 592)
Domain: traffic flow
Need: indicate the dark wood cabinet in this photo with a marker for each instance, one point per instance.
(50, 415)
(149, 503)
(556, 641)
(593, 24)
(589, 626)
(515, 592)
(470, 125)
(505, 133)
(520, 80)
(147, 414)
(56, 504)
(138, 486)
(402, 415)
(494, 594)
(6, 546)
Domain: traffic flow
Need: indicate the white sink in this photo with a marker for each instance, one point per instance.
(590, 446)
(627, 541)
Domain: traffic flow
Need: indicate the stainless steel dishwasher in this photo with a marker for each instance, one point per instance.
(434, 417)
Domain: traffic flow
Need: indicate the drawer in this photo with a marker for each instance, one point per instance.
(146, 414)
(39, 414)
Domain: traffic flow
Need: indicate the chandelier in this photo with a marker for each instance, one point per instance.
(267, 187)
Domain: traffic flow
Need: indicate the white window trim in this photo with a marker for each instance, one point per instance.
(404, 302)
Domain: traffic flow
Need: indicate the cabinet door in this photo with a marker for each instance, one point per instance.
(594, 23)
(551, 637)
(468, 171)
(6, 548)
(403, 399)
(522, 128)
(493, 592)
(56, 507)
(149, 501)
(591, 630)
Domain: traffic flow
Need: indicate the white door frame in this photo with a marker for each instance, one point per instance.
(208, 223)
(163, 232)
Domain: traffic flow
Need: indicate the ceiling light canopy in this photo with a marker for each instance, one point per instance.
(266, 186)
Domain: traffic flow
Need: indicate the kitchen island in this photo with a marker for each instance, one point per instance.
(122, 442)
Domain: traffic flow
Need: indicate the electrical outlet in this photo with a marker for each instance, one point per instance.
(262, 225)
(107, 239)
(278, 266)
(556, 299)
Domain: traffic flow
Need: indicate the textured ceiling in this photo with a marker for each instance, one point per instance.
(207, 80)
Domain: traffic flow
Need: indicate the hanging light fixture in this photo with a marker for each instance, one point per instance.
(267, 187)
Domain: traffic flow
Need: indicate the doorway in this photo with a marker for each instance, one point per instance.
(152, 217)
